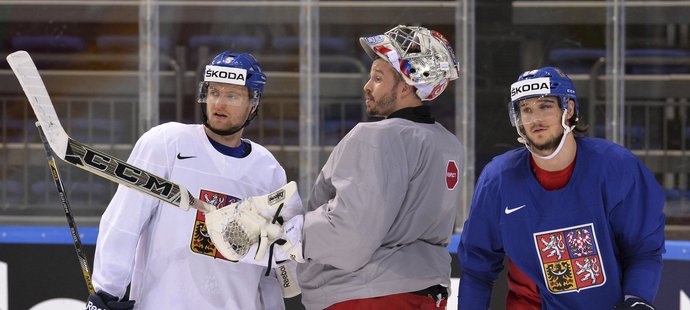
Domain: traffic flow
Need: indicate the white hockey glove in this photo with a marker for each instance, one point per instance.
(291, 241)
(253, 223)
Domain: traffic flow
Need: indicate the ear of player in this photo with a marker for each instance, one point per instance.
(243, 231)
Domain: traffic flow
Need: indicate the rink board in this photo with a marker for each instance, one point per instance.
(39, 264)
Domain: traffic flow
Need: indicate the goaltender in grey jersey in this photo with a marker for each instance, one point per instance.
(382, 210)
(394, 200)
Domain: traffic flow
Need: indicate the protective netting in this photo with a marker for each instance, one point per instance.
(236, 236)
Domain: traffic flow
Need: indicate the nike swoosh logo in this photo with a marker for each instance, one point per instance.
(509, 211)
(179, 156)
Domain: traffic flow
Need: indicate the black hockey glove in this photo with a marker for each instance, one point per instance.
(104, 301)
(634, 303)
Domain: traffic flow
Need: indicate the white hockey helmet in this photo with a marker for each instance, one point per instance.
(423, 57)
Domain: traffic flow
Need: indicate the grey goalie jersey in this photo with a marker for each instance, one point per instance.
(382, 212)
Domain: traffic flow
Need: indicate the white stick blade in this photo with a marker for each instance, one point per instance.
(26, 72)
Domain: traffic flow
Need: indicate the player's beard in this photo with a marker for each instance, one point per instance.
(382, 106)
(549, 145)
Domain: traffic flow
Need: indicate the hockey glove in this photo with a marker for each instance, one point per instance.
(104, 301)
(252, 224)
(632, 302)
(291, 241)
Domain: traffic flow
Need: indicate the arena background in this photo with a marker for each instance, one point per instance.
(116, 68)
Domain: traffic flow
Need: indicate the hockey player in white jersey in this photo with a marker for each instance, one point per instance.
(166, 253)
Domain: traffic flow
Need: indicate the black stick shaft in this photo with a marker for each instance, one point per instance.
(68, 213)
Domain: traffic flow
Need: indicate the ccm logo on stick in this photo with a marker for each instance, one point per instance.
(128, 173)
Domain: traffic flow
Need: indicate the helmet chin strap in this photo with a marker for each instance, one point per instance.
(566, 129)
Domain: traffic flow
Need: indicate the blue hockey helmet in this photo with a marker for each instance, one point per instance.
(544, 82)
(233, 68)
(236, 68)
(547, 81)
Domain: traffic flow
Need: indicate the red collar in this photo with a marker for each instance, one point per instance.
(552, 180)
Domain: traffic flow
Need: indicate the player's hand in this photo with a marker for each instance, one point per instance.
(104, 301)
(635, 303)
(290, 243)
(249, 227)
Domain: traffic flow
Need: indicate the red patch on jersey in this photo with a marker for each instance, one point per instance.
(201, 242)
(451, 175)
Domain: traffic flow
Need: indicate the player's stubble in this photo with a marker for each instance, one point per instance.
(549, 145)
(385, 103)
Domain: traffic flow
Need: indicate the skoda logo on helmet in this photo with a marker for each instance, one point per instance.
(228, 75)
(528, 87)
(531, 87)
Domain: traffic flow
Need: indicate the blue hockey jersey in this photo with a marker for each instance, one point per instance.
(584, 245)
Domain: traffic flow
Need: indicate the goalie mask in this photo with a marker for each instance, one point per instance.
(237, 69)
(423, 57)
(542, 83)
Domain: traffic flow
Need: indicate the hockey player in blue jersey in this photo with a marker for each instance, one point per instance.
(582, 218)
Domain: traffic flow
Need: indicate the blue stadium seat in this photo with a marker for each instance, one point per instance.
(127, 43)
(327, 45)
(673, 194)
(635, 136)
(575, 60)
(13, 190)
(334, 51)
(219, 43)
(273, 134)
(77, 191)
(48, 43)
(581, 60)
(96, 130)
(334, 130)
(16, 129)
(633, 68)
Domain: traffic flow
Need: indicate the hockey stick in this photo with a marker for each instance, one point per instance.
(110, 167)
(83, 262)
(87, 158)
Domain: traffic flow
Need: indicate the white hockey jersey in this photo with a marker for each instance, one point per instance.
(164, 251)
